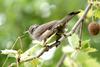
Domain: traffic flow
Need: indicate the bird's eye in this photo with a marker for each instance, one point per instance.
(32, 29)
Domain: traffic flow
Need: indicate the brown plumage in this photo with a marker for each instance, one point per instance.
(44, 31)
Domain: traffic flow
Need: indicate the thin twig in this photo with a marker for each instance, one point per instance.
(48, 48)
(13, 47)
(80, 34)
(80, 20)
(74, 29)
(55, 44)
(21, 44)
(17, 63)
(12, 64)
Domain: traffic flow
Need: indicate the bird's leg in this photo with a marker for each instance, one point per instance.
(58, 36)
(56, 43)
(44, 42)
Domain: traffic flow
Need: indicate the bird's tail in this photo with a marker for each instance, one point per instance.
(74, 13)
(67, 18)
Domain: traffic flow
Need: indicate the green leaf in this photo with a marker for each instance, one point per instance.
(36, 62)
(97, 13)
(73, 40)
(33, 63)
(88, 50)
(85, 44)
(86, 47)
(85, 60)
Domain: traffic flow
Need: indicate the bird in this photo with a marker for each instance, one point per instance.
(44, 31)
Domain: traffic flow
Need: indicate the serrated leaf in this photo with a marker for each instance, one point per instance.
(90, 13)
(85, 44)
(68, 49)
(86, 60)
(73, 40)
(97, 13)
(86, 47)
(35, 62)
(28, 64)
(88, 50)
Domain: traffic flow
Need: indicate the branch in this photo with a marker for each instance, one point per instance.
(80, 19)
(28, 58)
(74, 29)
(47, 48)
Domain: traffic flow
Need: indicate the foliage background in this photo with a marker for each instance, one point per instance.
(17, 15)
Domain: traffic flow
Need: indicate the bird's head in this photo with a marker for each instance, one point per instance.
(32, 28)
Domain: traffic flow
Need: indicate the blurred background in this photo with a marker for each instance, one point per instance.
(16, 16)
